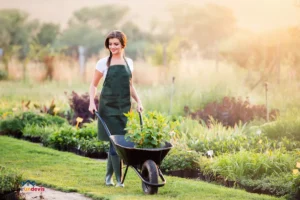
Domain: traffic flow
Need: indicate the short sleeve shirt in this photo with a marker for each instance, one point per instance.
(102, 67)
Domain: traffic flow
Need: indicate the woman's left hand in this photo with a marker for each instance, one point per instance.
(140, 107)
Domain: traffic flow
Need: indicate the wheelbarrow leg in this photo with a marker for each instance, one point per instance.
(125, 174)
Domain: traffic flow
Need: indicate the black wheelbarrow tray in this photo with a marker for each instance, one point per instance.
(144, 161)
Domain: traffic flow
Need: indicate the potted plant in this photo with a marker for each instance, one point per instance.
(9, 183)
(154, 132)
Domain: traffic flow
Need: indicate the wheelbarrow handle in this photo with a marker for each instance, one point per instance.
(103, 123)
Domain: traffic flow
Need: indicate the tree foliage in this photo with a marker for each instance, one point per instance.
(203, 25)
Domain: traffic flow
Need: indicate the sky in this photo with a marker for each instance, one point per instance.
(254, 15)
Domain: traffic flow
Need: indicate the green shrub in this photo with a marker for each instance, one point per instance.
(278, 185)
(88, 130)
(55, 120)
(15, 124)
(40, 132)
(12, 126)
(249, 165)
(288, 126)
(9, 180)
(3, 75)
(68, 137)
(93, 145)
(179, 159)
(295, 194)
(64, 138)
(221, 139)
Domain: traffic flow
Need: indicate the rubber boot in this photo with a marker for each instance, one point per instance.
(117, 165)
(109, 172)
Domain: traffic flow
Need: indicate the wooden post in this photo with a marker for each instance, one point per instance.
(165, 55)
(171, 96)
(267, 105)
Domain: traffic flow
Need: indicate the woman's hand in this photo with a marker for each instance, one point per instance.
(92, 107)
(140, 107)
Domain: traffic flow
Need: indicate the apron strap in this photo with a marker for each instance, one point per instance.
(127, 65)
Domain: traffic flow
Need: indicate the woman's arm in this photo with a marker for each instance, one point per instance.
(93, 90)
(135, 96)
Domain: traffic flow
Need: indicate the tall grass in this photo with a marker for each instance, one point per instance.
(249, 165)
(287, 126)
(197, 82)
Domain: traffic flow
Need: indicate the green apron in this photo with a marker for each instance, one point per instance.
(115, 100)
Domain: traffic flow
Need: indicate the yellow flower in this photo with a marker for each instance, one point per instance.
(55, 110)
(4, 115)
(298, 165)
(78, 120)
(295, 171)
(260, 141)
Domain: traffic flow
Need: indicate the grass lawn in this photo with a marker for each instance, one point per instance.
(69, 172)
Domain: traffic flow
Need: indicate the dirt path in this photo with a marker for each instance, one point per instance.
(50, 194)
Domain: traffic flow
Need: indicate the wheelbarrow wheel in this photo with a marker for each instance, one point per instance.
(150, 174)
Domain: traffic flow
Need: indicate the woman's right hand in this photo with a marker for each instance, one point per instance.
(92, 107)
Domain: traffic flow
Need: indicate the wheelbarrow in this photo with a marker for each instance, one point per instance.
(144, 161)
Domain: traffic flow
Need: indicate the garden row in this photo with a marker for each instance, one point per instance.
(55, 132)
(258, 158)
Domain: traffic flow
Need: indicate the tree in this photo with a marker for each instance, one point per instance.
(47, 34)
(89, 26)
(138, 41)
(104, 18)
(204, 25)
(15, 33)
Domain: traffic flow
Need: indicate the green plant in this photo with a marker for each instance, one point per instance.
(40, 132)
(9, 180)
(286, 126)
(278, 185)
(251, 165)
(88, 130)
(179, 159)
(3, 75)
(14, 124)
(63, 139)
(155, 131)
(93, 145)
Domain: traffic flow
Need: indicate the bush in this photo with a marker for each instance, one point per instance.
(296, 187)
(288, 126)
(3, 75)
(9, 180)
(231, 111)
(14, 125)
(85, 138)
(249, 165)
(93, 146)
(80, 105)
(39, 133)
(64, 139)
(179, 159)
(278, 185)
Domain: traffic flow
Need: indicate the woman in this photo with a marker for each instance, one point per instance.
(115, 97)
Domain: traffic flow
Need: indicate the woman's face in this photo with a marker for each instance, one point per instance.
(115, 46)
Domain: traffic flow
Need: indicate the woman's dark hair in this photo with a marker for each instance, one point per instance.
(115, 34)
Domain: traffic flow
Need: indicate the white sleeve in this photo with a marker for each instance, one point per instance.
(101, 65)
(130, 63)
